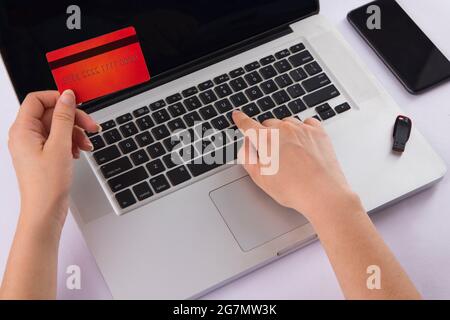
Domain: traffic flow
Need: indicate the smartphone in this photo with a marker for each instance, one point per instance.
(401, 44)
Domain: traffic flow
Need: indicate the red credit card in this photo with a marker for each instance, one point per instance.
(99, 66)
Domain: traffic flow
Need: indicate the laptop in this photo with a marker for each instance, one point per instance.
(159, 229)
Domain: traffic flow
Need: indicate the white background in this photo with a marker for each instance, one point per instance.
(417, 229)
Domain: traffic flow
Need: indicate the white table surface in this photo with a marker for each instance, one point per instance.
(417, 229)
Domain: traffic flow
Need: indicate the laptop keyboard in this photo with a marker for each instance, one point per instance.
(135, 152)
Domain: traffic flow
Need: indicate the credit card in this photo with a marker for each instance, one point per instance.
(99, 66)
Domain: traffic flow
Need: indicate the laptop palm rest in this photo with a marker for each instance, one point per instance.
(253, 217)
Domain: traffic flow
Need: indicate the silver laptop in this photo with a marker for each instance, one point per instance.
(161, 229)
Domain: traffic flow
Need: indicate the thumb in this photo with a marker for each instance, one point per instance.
(63, 120)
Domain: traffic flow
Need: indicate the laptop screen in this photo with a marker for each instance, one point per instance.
(171, 33)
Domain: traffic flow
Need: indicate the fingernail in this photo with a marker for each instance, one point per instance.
(99, 128)
(68, 98)
(90, 146)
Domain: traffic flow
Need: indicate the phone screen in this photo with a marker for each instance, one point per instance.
(401, 44)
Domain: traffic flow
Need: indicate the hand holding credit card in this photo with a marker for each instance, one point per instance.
(99, 66)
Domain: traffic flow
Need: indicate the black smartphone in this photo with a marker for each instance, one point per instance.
(401, 44)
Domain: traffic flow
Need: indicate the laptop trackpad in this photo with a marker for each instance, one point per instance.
(252, 216)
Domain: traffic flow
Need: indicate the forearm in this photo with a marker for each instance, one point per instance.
(32, 265)
(352, 245)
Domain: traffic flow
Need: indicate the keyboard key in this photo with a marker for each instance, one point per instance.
(176, 124)
(266, 116)
(208, 112)
(139, 157)
(223, 90)
(317, 117)
(198, 168)
(125, 199)
(221, 79)
(171, 143)
(266, 103)
(206, 85)
(237, 72)
(267, 60)
(238, 84)
(145, 123)
(159, 183)
(283, 81)
(189, 92)
(192, 103)
(316, 82)
(253, 78)
(161, 116)
(172, 160)
(178, 175)
(297, 106)
(176, 109)
(220, 139)
(298, 47)
(157, 105)
(124, 118)
(281, 97)
(298, 74)
(127, 145)
(251, 110)
(323, 107)
(142, 191)
(268, 72)
(254, 93)
(220, 123)
(238, 99)
(192, 117)
(108, 125)
(223, 105)
(252, 66)
(112, 136)
(282, 66)
(144, 139)
(313, 68)
(127, 179)
(128, 129)
(156, 150)
(185, 154)
(203, 129)
(106, 154)
(301, 58)
(116, 167)
(97, 142)
(282, 112)
(295, 91)
(342, 107)
(174, 98)
(208, 97)
(160, 132)
(282, 54)
(140, 112)
(327, 114)
(268, 86)
(155, 167)
(320, 96)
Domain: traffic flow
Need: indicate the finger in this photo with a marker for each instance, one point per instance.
(249, 127)
(84, 121)
(293, 121)
(271, 123)
(80, 139)
(248, 158)
(244, 122)
(63, 120)
(75, 151)
(35, 103)
(312, 122)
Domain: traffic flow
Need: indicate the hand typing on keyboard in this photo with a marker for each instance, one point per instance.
(47, 134)
(311, 181)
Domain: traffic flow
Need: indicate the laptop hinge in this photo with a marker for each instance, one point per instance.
(190, 68)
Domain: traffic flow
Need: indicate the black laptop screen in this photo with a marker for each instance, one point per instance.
(172, 33)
